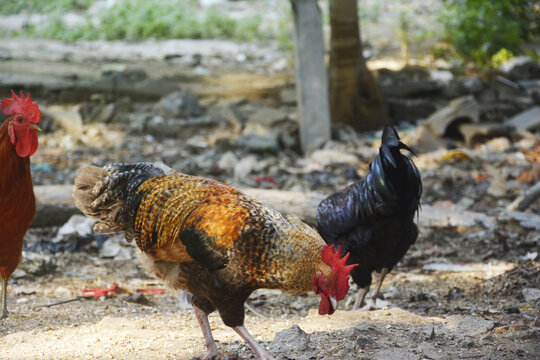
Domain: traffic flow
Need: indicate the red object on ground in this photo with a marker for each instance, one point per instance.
(99, 291)
(151, 291)
(265, 178)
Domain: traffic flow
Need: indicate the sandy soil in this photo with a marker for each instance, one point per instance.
(426, 318)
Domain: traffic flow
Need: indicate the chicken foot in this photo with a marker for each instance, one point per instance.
(372, 304)
(262, 354)
(211, 348)
(3, 302)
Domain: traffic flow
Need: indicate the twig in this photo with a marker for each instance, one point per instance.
(60, 302)
(526, 199)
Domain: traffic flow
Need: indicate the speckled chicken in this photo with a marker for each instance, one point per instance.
(373, 219)
(212, 240)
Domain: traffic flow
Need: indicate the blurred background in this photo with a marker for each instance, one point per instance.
(272, 95)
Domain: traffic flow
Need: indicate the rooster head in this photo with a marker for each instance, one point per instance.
(24, 115)
(335, 286)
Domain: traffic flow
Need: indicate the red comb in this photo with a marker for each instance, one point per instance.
(339, 267)
(23, 105)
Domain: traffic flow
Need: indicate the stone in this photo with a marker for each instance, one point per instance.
(102, 114)
(426, 141)
(404, 109)
(287, 95)
(531, 294)
(521, 68)
(394, 354)
(473, 85)
(290, 341)
(412, 88)
(478, 133)
(178, 104)
(267, 116)
(328, 157)
(469, 325)
(444, 122)
(67, 117)
(526, 120)
(258, 143)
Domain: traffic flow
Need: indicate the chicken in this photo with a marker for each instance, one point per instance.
(373, 219)
(18, 141)
(212, 240)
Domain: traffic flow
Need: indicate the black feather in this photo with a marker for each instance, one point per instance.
(373, 219)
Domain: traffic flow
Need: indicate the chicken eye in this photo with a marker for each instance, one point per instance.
(18, 119)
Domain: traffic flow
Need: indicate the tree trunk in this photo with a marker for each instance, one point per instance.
(355, 97)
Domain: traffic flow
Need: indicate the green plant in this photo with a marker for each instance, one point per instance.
(43, 6)
(136, 20)
(476, 30)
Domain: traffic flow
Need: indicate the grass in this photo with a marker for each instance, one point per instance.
(8, 7)
(136, 20)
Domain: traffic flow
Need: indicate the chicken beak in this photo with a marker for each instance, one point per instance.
(35, 127)
(334, 302)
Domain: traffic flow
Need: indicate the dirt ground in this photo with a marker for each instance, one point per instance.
(428, 315)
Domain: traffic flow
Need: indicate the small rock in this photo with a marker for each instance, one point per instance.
(531, 294)
(290, 341)
(178, 104)
(244, 167)
(102, 114)
(267, 116)
(258, 143)
(469, 325)
(328, 157)
(522, 68)
(443, 122)
(137, 298)
(426, 141)
(77, 224)
(228, 161)
(473, 85)
(526, 120)
(500, 144)
(287, 95)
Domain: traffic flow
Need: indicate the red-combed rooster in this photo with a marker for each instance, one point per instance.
(211, 239)
(373, 219)
(18, 141)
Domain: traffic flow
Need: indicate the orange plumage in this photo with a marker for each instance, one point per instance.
(211, 239)
(18, 140)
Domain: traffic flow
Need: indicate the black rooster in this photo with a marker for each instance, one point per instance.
(373, 219)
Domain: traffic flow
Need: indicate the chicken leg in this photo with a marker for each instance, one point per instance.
(360, 297)
(372, 304)
(3, 302)
(262, 354)
(211, 348)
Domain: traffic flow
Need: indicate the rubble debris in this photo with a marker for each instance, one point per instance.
(526, 120)
(521, 68)
(293, 342)
(67, 117)
(434, 216)
(523, 201)
(446, 121)
(480, 132)
(466, 325)
(529, 221)
(178, 104)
